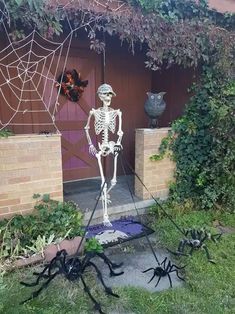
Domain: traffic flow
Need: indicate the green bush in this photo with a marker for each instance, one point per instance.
(203, 145)
(50, 218)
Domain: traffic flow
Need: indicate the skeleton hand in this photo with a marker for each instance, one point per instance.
(117, 148)
(92, 150)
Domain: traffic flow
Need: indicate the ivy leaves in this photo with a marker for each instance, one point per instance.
(204, 145)
(30, 14)
(184, 32)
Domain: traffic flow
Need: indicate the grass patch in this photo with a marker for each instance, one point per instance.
(208, 288)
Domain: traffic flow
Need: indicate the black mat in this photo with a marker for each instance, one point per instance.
(122, 230)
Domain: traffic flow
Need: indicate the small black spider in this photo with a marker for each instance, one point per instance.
(164, 269)
(73, 269)
(195, 240)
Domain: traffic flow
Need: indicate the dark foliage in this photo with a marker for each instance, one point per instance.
(174, 32)
(203, 145)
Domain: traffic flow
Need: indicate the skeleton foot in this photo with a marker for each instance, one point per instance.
(107, 222)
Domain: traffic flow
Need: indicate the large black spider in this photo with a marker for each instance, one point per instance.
(195, 240)
(164, 269)
(73, 269)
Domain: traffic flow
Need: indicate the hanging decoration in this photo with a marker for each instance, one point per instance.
(71, 85)
(29, 68)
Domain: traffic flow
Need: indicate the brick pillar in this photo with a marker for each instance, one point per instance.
(29, 164)
(156, 175)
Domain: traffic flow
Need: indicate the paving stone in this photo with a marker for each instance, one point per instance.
(135, 262)
(85, 193)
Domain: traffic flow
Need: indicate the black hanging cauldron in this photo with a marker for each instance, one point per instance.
(154, 107)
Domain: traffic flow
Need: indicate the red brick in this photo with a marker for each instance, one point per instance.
(4, 210)
(19, 180)
(10, 202)
(3, 196)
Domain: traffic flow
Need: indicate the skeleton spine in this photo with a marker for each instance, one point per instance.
(105, 137)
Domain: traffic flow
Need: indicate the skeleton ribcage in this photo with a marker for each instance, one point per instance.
(105, 120)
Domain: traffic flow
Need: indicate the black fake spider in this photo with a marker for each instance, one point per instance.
(73, 269)
(164, 269)
(195, 240)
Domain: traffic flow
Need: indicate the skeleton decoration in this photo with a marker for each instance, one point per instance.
(104, 123)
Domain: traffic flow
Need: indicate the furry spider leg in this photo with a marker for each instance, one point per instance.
(160, 277)
(169, 277)
(216, 237)
(108, 290)
(166, 269)
(110, 264)
(97, 305)
(42, 274)
(208, 254)
(177, 271)
(145, 271)
(44, 285)
(48, 276)
(180, 250)
(170, 269)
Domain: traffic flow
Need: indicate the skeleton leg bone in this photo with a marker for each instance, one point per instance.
(104, 196)
(114, 179)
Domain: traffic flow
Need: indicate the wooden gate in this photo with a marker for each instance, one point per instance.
(72, 116)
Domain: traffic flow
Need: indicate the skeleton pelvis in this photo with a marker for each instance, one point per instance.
(106, 148)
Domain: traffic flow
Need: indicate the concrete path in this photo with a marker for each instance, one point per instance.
(135, 254)
(137, 257)
(85, 192)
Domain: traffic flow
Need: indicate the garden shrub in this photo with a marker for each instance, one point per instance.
(203, 145)
(51, 218)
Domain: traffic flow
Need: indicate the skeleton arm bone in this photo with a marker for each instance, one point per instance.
(120, 132)
(92, 149)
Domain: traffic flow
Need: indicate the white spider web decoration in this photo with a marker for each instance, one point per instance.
(29, 69)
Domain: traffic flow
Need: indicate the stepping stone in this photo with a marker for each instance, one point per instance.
(134, 265)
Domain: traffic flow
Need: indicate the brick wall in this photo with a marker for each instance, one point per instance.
(155, 174)
(29, 164)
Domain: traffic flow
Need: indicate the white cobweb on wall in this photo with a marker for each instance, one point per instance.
(30, 67)
(28, 71)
